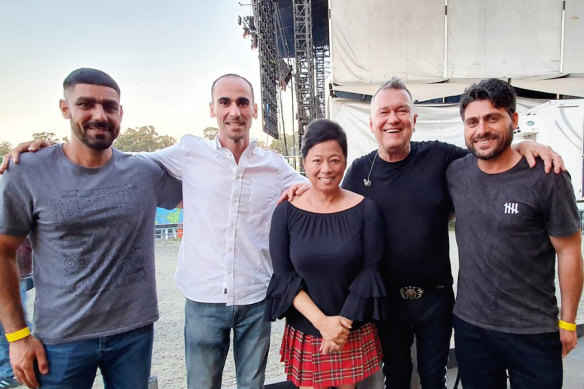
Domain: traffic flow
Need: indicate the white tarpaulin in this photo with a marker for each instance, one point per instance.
(516, 40)
(373, 40)
(420, 91)
(574, 37)
(570, 86)
(504, 38)
(435, 122)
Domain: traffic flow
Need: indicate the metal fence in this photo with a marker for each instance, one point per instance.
(168, 231)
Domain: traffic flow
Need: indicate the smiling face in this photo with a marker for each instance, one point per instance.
(95, 114)
(392, 122)
(234, 108)
(325, 165)
(488, 131)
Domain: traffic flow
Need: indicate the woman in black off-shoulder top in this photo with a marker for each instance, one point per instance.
(326, 246)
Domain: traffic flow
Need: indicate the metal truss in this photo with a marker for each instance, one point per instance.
(303, 47)
(266, 41)
(311, 64)
(321, 55)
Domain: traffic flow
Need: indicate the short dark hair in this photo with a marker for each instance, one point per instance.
(394, 83)
(232, 75)
(321, 130)
(500, 93)
(90, 76)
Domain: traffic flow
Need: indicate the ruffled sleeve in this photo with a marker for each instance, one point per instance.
(366, 299)
(281, 292)
(285, 283)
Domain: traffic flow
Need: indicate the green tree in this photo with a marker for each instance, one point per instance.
(173, 216)
(4, 147)
(210, 132)
(291, 143)
(45, 136)
(143, 138)
(261, 144)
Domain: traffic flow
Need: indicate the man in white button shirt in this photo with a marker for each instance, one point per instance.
(230, 189)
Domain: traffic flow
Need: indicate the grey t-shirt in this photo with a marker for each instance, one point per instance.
(507, 261)
(92, 232)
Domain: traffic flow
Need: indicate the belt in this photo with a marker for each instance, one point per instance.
(415, 292)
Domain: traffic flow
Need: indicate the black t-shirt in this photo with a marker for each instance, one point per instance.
(414, 201)
(503, 225)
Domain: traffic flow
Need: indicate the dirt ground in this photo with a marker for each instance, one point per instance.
(168, 356)
(168, 361)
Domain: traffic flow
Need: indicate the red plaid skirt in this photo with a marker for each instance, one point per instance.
(359, 358)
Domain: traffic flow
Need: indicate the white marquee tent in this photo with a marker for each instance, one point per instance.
(439, 47)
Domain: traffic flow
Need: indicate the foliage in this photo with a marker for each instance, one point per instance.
(173, 216)
(45, 136)
(261, 144)
(4, 147)
(143, 138)
(291, 142)
(210, 132)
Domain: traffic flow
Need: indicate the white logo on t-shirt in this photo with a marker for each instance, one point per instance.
(511, 208)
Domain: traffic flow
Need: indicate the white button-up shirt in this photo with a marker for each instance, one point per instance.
(228, 206)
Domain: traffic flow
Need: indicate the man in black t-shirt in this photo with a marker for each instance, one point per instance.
(511, 221)
(407, 180)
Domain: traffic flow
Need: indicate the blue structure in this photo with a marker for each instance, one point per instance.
(165, 216)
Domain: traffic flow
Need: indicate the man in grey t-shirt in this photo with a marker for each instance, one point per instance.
(90, 212)
(511, 221)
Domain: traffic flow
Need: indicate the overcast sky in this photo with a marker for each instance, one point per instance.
(164, 56)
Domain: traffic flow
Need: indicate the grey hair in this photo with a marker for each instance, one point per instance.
(394, 83)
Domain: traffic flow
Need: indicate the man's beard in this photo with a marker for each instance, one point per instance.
(501, 147)
(99, 142)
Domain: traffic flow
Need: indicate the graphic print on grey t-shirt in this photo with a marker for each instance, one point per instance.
(75, 205)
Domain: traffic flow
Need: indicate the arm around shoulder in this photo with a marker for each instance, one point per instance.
(169, 192)
(170, 158)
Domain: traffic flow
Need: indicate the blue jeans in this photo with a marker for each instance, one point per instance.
(5, 367)
(485, 357)
(124, 360)
(207, 337)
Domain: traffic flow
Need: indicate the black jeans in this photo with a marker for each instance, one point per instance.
(533, 361)
(429, 319)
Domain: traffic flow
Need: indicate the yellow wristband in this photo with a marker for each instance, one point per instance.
(567, 326)
(20, 334)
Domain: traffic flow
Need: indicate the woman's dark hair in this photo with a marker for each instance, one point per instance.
(321, 130)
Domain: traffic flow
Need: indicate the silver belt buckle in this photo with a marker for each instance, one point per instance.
(411, 292)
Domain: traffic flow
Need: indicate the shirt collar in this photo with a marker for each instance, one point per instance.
(248, 151)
